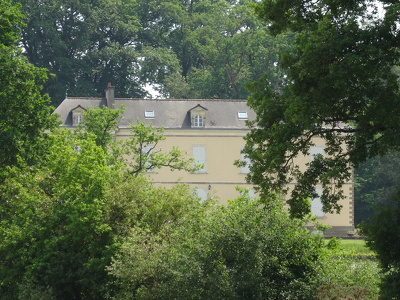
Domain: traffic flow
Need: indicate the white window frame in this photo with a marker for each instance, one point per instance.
(202, 194)
(77, 118)
(316, 205)
(149, 114)
(199, 155)
(198, 121)
(242, 115)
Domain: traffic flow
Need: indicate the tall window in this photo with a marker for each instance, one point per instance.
(245, 169)
(316, 150)
(316, 205)
(202, 194)
(199, 155)
(198, 121)
(77, 118)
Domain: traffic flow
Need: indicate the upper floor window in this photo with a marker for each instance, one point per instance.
(198, 116)
(198, 121)
(77, 115)
(78, 119)
(316, 151)
(316, 204)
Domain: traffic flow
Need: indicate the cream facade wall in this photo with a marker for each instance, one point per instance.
(222, 147)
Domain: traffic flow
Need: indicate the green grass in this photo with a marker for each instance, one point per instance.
(355, 247)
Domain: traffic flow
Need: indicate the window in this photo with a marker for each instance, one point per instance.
(316, 150)
(202, 194)
(77, 115)
(198, 121)
(242, 115)
(197, 116)
(316, 205)
(245, 169)
(199, 155)
(149, 114)
(77, 118)
(147, 155)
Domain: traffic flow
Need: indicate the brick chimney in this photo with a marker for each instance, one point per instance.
(109, 91)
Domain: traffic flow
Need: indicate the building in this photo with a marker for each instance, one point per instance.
(209, 130)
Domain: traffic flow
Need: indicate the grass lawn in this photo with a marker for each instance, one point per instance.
(356, 247)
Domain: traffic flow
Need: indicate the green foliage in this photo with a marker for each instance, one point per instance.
(243, 251)
(143, 155)
(376, 182)
(340, 87)
(139, 152)
(381, 233)
(186, 49)
(347, 274)
(85, 44)
(63, 220)
(102, 122)
(24, 114)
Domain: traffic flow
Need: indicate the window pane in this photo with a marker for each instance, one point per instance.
(316, 205)
(242, 115)
(315, 150)
(198, 121)
(199, 155)
(149, 114)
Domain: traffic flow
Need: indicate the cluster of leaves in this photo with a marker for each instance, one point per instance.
(381, 233)
(61, 224)
(24, 114)
(376, 182)
(341, 88)
(187, 49)
(246, 250)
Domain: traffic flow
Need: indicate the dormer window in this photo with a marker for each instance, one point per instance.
(78, 119)
(198, 116)
(77, 115)
(242, 115)
(149, 114)
(198, 121)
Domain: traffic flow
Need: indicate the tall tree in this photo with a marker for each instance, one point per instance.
(84, 44)
(220, 45)
(341, 87)
(186, 49)
(24, 114)
(62, 222)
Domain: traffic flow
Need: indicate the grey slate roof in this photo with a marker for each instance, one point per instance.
(168, 113)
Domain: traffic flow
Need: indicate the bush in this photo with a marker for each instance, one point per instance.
(243, 251)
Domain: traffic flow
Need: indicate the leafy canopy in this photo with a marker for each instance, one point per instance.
(24, 111)
(342, 87)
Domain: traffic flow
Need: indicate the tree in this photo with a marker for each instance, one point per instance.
(341, 87)
(243, 251)
(376, 182)
(219, 45)
(186, 49)
(62, 222)
(381, 232)
(143, 155)
(84, 44)
(24, 111)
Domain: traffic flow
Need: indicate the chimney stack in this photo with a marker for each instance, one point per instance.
(109, 91)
